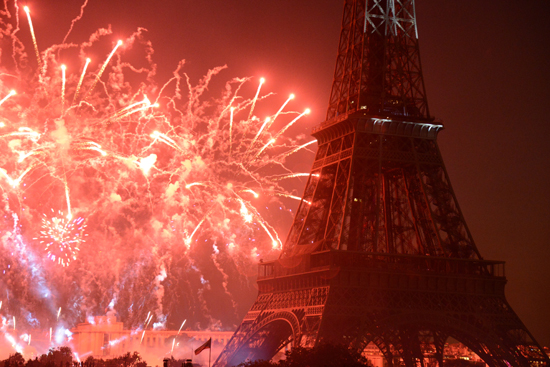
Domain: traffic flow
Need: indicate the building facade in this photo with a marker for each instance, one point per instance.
(105, 337)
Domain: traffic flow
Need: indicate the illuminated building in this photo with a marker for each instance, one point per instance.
(105, 337)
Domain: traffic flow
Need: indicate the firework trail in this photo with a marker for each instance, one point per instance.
(81, 79)
(102, 70)
(38, 59)
(292, 175)
(183, 323)
(102, 194)
(63, 69)
(76, 20)
(297, 149)
(11, 93)
(262, 81)
(230, 129)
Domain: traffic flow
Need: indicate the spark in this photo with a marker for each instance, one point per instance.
(63, 67)
(271, 141)
(29, 343)
(81, 79)
(50, 335)
(230, 129)
(14, 183)
(190, 238)
(293, 175)
(245, 213)
(24, 132)
(292, 197)
(262, 81)
(150, 317)
(103, 68)
(275, 243)
(290, 98)
(141, 108)
(145, 164)
(13, 322)
(68, 201)
(252, 192)
(166, 140)
(18, 180)
(58, 313)
(23, 156)
(183, 323)
(11, 93)
(173, 343)
(26, 8)
(188, 186)
(142, 335)
(266, 121)
(282, 131)
(123, 111)
(248, 217)
(94, 146)
(299, 148)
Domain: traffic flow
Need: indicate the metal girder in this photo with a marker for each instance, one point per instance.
(380, 192)
(378, 62)
(407, 305)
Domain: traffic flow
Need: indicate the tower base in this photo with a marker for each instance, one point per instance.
(408, 306)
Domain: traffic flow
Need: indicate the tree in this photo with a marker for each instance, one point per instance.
(15, 360)
(259, 363)
(62, 356)
(129, 360)
(172, 362)
(126, 360)
(33, 363)
(323, 355)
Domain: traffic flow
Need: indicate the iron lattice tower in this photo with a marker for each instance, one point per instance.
(379, 251)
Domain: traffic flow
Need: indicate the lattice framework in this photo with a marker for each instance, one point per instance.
(378, 62)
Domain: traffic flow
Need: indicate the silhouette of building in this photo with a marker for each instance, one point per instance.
(105, 337)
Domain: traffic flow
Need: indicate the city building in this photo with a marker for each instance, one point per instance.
(105, 337)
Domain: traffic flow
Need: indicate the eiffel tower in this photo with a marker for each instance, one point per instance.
(379, 251)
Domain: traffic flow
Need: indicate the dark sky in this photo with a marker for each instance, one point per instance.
(486, 68)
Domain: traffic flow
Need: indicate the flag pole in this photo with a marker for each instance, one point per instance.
(209, 355)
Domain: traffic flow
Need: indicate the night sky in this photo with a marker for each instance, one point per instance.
(486, 69)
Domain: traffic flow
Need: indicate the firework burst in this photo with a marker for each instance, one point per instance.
(62, 237)
(182, 189)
